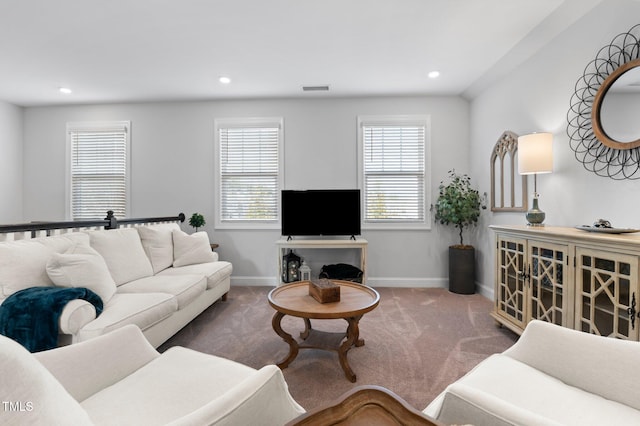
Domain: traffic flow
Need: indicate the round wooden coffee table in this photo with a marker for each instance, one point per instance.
(294, 300)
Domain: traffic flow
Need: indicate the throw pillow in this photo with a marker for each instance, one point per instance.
(158, 244)
(122, 251)
(191, 249)
(82, 266)
(23, 262)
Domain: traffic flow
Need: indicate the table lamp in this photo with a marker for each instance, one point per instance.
(535, 156)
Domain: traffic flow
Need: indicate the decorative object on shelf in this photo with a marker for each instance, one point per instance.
(602, 223)
(535, 156)
(305, 271)
(324, 291)
(607, 150)
(197, 221)
(603, 226)
(290, 267)
(460, 205)
(607, 230)
(503, 181)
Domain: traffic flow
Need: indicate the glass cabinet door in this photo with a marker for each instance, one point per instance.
(548, 291)
(510, 290)
(606, 286)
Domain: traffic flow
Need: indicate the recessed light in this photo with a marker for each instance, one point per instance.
(65, 90)
(224, 80)
(315, 88)
(434, 74)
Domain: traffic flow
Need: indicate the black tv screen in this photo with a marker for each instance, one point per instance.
(330, 212)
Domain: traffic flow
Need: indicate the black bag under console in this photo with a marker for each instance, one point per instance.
(341, 271)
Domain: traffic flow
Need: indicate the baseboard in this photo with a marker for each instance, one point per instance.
(254, 281)
(373, 282)
(408, 282)
(486, 291)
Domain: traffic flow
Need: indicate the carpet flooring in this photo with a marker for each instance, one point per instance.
(417, 341)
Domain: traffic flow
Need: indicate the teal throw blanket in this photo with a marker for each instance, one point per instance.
(30, 316)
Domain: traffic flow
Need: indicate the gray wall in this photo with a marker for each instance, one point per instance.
(10, 163)
(173, 171)
(535, 98)
(173, 157)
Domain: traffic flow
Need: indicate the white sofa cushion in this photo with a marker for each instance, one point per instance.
(122, 251)
(206, 377)
(37, 397)
(157, 242)
(185, 288)
(143, 310)
(191, 249)
(82, 266)
(216, 272)
(567, 354)
(510, 383)
(468, 405)
(23, 263)
(61, 243)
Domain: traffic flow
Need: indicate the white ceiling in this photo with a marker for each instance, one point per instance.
(153, 50)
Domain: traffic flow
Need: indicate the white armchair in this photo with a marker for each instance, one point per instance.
(119, 378)
(551, 376)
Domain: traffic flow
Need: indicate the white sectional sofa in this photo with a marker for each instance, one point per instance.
(156, 277)
(551, 376)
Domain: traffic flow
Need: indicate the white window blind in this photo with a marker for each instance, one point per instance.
(98, 169)
(249, 171)
(394, 171)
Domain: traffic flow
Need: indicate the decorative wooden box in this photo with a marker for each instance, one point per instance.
(324, 291)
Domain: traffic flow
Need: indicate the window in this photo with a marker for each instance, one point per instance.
(393, 170)
(249, 172)
(98, 172)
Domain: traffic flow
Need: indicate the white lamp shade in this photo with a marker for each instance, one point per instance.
(535, 153)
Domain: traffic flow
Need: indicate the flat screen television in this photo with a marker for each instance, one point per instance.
(330, 212)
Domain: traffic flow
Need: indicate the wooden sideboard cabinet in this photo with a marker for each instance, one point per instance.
(577, 279)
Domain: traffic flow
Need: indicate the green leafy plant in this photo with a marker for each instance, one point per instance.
(458, 203)
(197, 220)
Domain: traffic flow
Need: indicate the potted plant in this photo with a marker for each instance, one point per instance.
(460, 205)
(197, 220)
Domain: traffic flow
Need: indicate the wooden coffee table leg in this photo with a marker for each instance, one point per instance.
(307, 329)
(293, 345)
(358, 341)
(353, 333)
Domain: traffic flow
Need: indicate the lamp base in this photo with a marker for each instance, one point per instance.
(534, 215)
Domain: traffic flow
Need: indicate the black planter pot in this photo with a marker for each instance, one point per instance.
(462, 269)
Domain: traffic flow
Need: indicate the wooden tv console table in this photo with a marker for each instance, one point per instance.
(583, 280)
(359, 243)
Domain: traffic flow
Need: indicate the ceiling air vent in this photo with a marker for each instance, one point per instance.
(315, 88)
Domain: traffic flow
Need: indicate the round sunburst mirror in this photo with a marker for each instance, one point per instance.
(602, 126)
